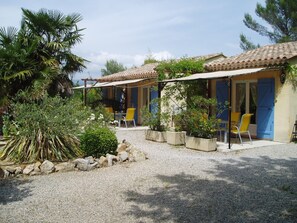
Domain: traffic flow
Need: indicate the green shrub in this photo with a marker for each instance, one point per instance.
(46, 129)
(98, 141)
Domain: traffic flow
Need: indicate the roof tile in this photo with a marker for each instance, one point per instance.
(265, 56)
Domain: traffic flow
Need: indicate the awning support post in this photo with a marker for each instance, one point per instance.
(85, 92)
(229, 115)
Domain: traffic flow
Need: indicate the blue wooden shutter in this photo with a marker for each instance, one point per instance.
(222, 97)
(153, 95)
(265, 109)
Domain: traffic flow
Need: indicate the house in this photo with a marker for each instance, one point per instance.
(257, 82)
(136, 87)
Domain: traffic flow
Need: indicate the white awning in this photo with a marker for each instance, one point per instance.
(117, 83)
(97, 85)
(82, 87)
(217, 74)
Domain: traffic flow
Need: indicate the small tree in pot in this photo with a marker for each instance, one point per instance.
(201, 125)
(157, 120)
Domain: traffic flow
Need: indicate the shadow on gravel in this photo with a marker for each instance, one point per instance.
(12, 190)
(247, 190)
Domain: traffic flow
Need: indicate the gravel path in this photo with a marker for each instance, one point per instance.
(174, 185)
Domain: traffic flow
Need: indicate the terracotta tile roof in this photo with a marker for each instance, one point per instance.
(265, 56)
(148, 70)
(145, 71)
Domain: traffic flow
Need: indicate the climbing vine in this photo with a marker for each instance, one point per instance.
(291, 76)
(179, 68)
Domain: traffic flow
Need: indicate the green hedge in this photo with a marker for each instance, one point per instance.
(98, 142)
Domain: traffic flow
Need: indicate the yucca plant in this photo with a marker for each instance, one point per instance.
(46, 129)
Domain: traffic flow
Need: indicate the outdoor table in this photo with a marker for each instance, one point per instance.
(223, 127)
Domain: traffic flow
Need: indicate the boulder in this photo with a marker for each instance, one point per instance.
(47, 167)
(34, 173)
(138, 155)
(18, 170)
(91, 159)
(121, 147)
(126, 143)
(11, 169)
(123, 156)
(103, 162)
(1, 173)
(37, 166)
(111, 159)
(28, 169)
(65, 167)
(82, 164)
(6, 173)
(93, 166)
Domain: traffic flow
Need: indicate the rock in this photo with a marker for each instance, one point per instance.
(10, 169)
(103, 162)
(37, 166)
(91, 159)
(82, 164)
(138, 155)
(93, 166)
(28, 169)
(18, 170)
(1, 173)
(111, 158)
(6, 173)
(47, 167)
(65, 167)
(121, 147)
(34, 173)
(123, 156)
(126, 143)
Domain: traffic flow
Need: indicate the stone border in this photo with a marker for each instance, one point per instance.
(125, 153)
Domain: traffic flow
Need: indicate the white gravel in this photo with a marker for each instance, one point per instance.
(174, 185)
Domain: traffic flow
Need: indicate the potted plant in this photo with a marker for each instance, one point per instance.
(176, 135)
(201, 125)
(156, 121)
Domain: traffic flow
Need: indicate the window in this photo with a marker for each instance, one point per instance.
(246, 98)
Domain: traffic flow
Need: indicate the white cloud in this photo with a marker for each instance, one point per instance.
(97, 61)
(127, 59)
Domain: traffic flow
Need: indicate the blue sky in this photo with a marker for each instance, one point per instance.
(129, 30)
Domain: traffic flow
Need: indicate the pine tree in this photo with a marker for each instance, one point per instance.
(281, 16)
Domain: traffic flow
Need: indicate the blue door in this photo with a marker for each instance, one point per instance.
(153, 105)
(134, 101)
(222, 97)
(265, 110)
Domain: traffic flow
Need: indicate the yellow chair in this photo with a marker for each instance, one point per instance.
(235, 116)
(243, 127)
(129, 116)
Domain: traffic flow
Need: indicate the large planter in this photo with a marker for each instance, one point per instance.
(201, 144)
(155, 135)
(176, 138)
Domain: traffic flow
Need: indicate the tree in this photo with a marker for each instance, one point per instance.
(112, 67)
(281, 16)
(37, 59)
(150, 59)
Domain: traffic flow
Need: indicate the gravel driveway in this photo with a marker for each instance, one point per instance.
(174, 185)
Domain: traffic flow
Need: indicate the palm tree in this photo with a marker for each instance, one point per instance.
(38, 59)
